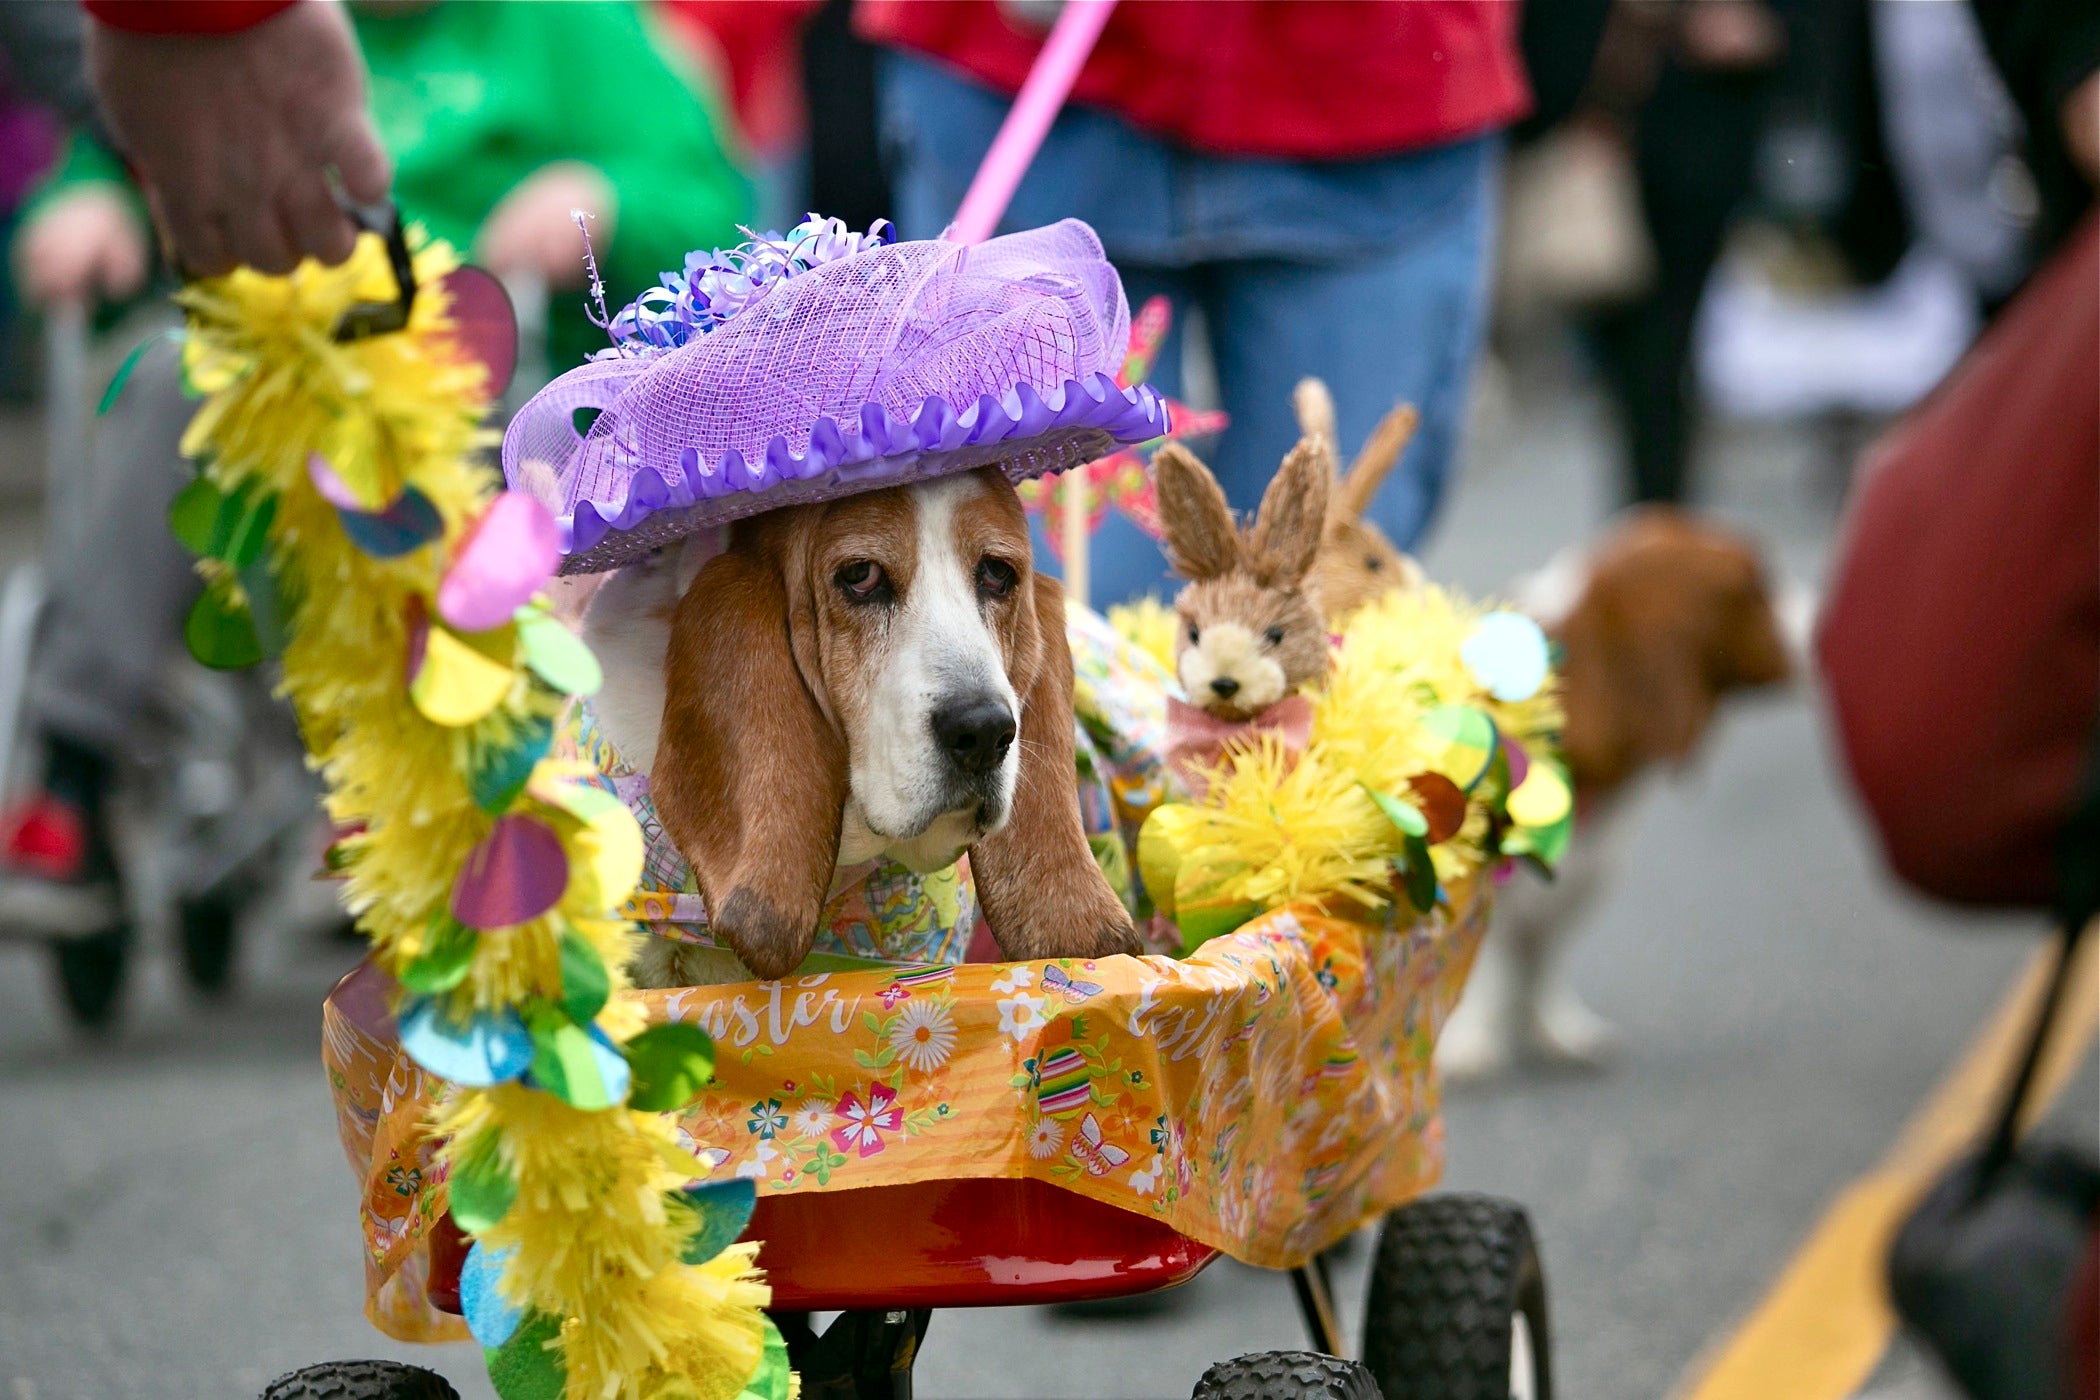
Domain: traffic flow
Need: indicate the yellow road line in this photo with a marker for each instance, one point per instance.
(1825, 1323)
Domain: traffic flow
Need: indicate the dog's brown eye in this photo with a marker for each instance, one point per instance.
(1274, 636)
(996, 578)
(1194, 635)
(862, 579)
(1373, 563)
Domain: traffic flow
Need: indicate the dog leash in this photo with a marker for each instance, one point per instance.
(1012, 151)
(1020, 137)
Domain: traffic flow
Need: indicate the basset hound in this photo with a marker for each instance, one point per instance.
(878, 677)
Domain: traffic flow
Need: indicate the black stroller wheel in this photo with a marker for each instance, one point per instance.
(1287, 1375)
(1457, 1305)
(360, 1380)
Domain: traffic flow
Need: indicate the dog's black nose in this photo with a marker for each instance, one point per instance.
(975, 733)
(1225, 687)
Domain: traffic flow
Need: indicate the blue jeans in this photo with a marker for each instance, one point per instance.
(1371, 274)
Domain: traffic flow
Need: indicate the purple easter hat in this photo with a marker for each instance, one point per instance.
(825, 363)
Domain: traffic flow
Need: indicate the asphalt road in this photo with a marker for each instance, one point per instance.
(176, 1219)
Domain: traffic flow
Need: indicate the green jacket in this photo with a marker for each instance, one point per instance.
(470, 98)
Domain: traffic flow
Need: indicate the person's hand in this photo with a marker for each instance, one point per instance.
(531, 229)
(2082, 126)
(84, 244)
(234, 135)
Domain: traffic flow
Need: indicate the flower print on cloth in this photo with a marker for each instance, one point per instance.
(1045, 1138)
(766, 1118)
(1020, 1015)
(811, 1118)
(862, 1125)
(1237, 1095)
(923, 1035)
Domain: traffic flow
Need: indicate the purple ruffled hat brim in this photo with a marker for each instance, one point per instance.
(1024, 434)
(850, 365)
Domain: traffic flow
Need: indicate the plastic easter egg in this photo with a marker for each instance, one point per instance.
(1508, 655)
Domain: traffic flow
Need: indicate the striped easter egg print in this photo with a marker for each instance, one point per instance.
(1063, 1086)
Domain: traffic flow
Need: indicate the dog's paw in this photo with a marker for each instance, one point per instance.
(1565, 1032)
(1092, 934)
(1477, 1041)
(1469, 1053)
(1118, 935)
(655, 965)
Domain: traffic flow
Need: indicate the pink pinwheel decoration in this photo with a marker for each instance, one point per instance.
(1120, 480)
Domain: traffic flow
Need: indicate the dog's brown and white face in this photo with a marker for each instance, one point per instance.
(1666, 617)
(878, 676)
(925, 635)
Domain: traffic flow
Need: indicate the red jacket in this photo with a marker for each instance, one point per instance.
(1297, 79)
(183, 16)
(759, 48)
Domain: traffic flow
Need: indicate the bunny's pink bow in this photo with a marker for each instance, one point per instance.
(1197, 740)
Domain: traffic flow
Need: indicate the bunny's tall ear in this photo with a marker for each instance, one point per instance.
(1375, 463)
(1202, 541)
(1315, 407)
(1286, 533)
(750, 777)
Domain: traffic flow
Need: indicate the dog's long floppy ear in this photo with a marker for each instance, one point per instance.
(1287, 528)
(750, 776)
(1375, 463)
(1042, 892)
(1634, 685)
(1202, 540)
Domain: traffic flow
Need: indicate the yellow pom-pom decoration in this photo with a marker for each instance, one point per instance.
(1400, 705)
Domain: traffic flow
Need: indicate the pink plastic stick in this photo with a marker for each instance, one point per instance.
(1021, 134)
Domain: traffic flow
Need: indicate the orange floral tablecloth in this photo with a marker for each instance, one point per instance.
(1266, 1095)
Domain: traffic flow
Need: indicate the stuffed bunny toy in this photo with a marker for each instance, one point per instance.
(1357, 563)
(1252, 629)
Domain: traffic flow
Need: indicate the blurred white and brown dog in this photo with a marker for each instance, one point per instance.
(1657, 623)
(879, 676)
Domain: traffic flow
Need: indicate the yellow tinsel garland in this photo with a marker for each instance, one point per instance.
(597, 1226)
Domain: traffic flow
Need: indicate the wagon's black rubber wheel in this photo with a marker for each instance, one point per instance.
(208, 925)
(360, 1380)
(1287, 1375)
(1457, 1305)
(90, 973)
